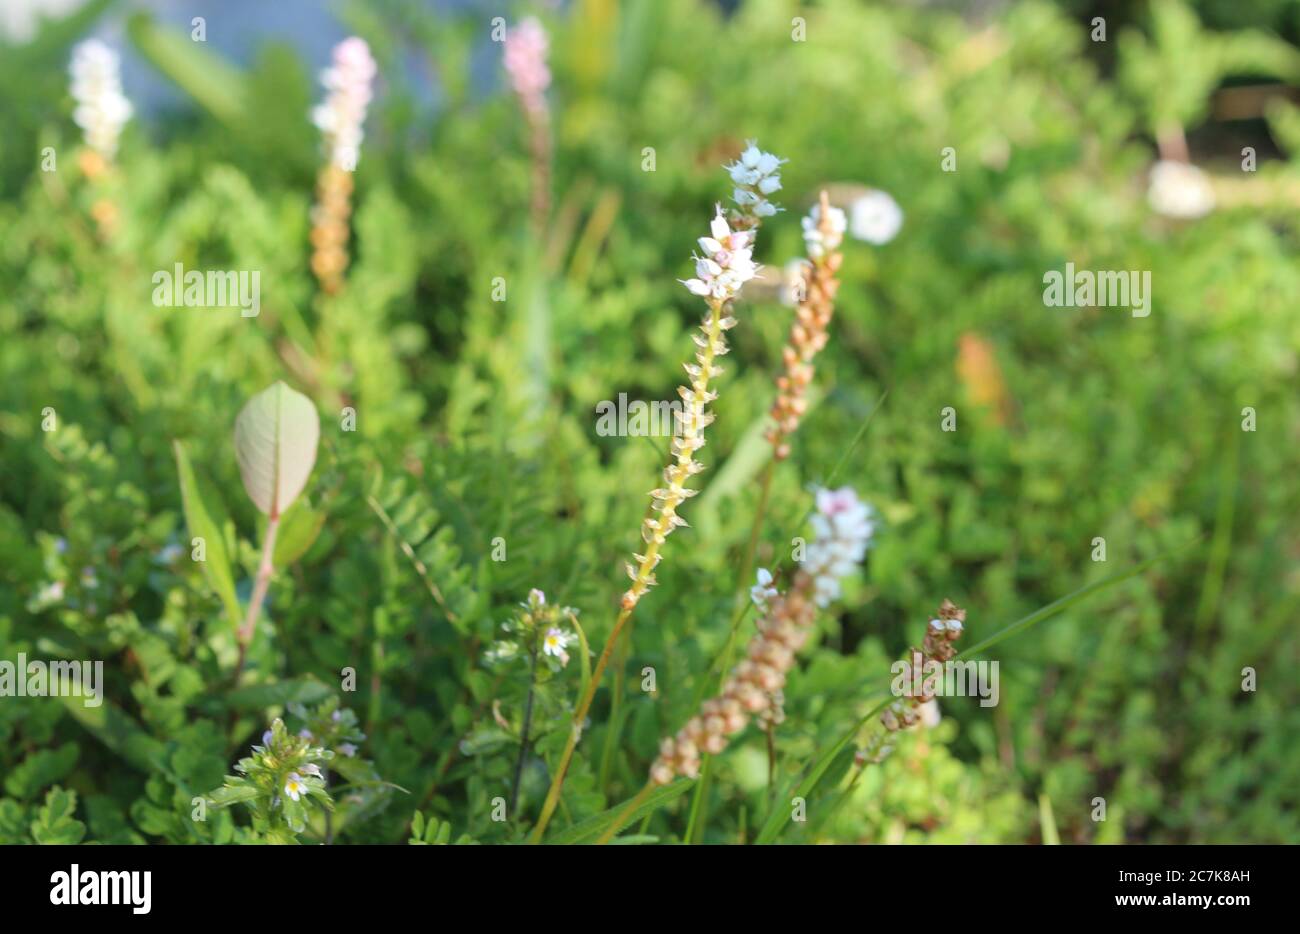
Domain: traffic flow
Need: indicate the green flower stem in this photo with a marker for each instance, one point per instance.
(717, 310)
(528, 723)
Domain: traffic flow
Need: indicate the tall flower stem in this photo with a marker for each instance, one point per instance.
(264, 573)
(692, 425)
(527, 728)
(540, 146)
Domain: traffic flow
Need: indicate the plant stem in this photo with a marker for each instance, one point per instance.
(411, 556)
(717, 310)
(575, 731)
(540, 146)
(528, 724)
(329, 815)
(623, 814)
(760, 513)
(695, 830)
(264, 572)
(771, 759)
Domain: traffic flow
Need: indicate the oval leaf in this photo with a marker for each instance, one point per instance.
(275, 441)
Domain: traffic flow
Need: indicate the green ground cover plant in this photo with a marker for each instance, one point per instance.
(349, 536)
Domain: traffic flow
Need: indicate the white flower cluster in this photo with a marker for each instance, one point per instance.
(102, 109)
(821, 241)
(755, 175)
(763, 591)
(727, 263)
(875, 218)
(340, 117)
(844, 526)
(1180, 190)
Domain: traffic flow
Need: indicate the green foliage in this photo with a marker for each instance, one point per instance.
(472, 472)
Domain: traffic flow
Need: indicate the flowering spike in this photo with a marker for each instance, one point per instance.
(102, 109)
(843, 531)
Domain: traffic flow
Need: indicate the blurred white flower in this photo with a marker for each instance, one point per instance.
(844, 526)
(762, 591)
(819, 243)
(343, 112)
(929, 712)
(875, 218)
(755, 175)
(169, 554)
(1180, 190)
(794, 282)
(102, 110)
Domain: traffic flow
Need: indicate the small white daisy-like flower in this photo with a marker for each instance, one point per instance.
(340, 117)
(1180, 190)
(102, 110)
(763, 591)
(293, 786)
(755, 175)
(554, 643)
(818, 243)
(875, 218)
(727, 263)
(536, 598)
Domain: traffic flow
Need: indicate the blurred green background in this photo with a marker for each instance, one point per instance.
(476, 418)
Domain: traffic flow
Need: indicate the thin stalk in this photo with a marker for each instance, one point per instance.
(760, 513)
(528, 725)
(575, 730)
(329, 815)
(694, 821)
(631, 806)
(264, 572)
(771, 759)
(420, 568)
(540, 145)
(717, 311)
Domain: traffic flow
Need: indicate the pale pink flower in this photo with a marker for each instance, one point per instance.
(727, 263)
(340, 117)
(525, 60)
